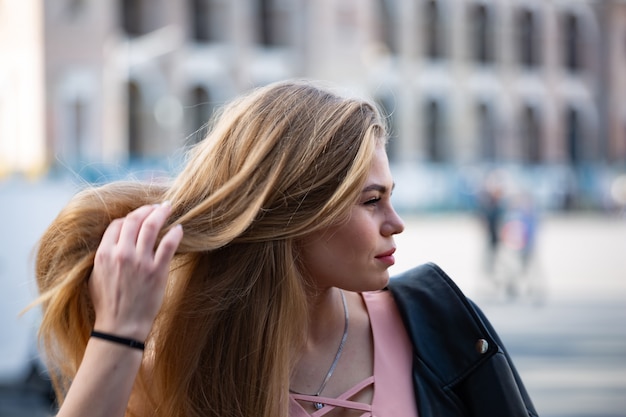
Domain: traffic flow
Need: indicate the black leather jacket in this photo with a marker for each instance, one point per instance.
(460, 366)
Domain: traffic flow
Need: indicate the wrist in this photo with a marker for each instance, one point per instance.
(120, 340)
(125, 329)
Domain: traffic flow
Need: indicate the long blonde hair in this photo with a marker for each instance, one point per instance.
(281, 162)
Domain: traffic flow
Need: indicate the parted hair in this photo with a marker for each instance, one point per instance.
(279, 163)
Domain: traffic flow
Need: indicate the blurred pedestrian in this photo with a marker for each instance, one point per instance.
(276, 299)
(519, 238)
(492, 210)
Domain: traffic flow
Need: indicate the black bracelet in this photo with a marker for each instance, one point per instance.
(135, 344)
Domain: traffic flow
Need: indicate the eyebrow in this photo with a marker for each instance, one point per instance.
(378, 187)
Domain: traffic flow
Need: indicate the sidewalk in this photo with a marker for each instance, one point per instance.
(578, 257)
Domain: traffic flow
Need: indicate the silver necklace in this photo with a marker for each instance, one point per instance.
(318, 405)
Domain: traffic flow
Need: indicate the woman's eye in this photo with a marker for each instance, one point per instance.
(373, 200)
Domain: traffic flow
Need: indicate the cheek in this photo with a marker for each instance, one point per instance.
(325, 256)
(345, 244)
(327, 251)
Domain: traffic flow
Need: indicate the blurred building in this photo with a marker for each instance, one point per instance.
(22, 132)
(469, 84)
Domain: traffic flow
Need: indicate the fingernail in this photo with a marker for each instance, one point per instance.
(166, 203)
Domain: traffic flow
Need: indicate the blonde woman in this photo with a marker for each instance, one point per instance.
(256, 283)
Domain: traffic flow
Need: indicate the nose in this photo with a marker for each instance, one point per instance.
(393, 223)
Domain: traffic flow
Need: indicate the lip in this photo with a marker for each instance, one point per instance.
(387, 257)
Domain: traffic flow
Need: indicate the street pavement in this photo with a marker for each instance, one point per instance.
(564, 325)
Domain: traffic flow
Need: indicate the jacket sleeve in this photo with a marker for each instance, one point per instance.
(460, 366)
(501, 367)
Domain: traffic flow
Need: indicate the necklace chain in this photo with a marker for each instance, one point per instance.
(337, 355)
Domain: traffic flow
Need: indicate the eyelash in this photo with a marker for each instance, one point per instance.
(372, 201)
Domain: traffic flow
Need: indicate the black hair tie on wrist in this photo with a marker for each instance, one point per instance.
(135, 344)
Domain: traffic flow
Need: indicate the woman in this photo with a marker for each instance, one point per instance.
(268, 304)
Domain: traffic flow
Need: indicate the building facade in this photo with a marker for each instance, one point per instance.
(467, 84)
(22, 129)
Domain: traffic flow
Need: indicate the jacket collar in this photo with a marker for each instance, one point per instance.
(448, 337)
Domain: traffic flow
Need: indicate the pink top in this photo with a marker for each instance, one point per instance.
(393, 384)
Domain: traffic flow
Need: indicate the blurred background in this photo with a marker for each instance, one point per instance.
(508, 148)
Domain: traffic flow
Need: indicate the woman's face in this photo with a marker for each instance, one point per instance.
(356, 255)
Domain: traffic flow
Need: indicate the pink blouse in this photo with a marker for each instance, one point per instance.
(393, 384)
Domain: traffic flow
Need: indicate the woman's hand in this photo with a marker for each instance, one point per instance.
(130, 272)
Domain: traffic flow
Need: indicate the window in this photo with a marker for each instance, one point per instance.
(434, 30)
(388, 107)
(132, 12)
(74, 125)
(435, 146)
(481, 34)
(78, 130)
(530, 135)
(486, 133)
(572, 42)
(388, 25)
(74, 8)
(573, 135)
(528, 39)
(209, 20)
(201, 112)
(273, 22)
(201, 19)
(135, 148)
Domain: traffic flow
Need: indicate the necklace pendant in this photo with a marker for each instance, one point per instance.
(318, 406)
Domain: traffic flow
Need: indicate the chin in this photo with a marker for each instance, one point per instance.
(385, 282)
(379, 284)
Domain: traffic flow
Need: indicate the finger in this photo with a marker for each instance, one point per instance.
(112, 233)
(150, 228)
(132, 224)
(168, 245)
(107, 242)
